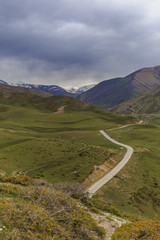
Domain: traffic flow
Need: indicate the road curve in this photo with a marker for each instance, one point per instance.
(96, 186)
(127, 125)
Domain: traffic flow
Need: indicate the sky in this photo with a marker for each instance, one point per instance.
(76, 43)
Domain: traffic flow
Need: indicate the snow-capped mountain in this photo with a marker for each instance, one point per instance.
(80, 90)
(56, 90)
(3, 82)
(85, 88)
(71, 89)
(53, 89)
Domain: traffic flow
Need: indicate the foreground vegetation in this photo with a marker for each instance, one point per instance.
(149, 230)
(32, 209)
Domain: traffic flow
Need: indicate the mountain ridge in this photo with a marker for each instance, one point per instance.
(57, 90)
(52, 89)
(7, 89)
(115, 91)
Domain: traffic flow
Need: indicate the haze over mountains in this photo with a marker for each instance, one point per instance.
(57, 138)
(57, 90)
(107, 93)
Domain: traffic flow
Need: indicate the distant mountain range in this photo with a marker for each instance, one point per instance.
(52, 89)
(56, 90)
(115, 91)
(3, 82)
(108, 93)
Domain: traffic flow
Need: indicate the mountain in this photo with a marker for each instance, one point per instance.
(81, 89)
(147, 103)
(3, 82)
(52, 89)
(71, 89)
(115, 91)
(56, 90)
(7, 90)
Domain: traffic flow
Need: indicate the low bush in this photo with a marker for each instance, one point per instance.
(39, 211)
(21, 179)
(144, 230)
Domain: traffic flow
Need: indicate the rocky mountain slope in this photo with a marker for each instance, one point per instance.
(115, 91)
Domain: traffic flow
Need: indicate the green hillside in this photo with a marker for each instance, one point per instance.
(7, 89)
(32, 210)
(136, 188)
(36, 210)
(57, 139)
(41, 141)
(148, 103)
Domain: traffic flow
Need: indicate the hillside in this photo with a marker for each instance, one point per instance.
(136, 188)
(147, 103)
(16, 96)
(55, 133)
(7, 90)
(57, 139)
(115, 91)
(32, 209)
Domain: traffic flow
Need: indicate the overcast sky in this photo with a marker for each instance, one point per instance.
(77, 42)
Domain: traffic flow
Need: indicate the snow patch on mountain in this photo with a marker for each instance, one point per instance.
(79, 90)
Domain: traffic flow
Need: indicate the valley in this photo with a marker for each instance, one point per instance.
(57, 139)
(57, 147)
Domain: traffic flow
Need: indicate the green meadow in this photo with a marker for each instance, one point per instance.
(63, 147)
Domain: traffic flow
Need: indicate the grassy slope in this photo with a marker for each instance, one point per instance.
(59, 147)
(136, 189)
(31, 137)
(147, 103)
(7, 90)
(33, 210)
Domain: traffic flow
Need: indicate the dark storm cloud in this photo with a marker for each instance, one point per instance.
(70, 42)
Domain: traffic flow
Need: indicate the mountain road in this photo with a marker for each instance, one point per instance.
(96, 186)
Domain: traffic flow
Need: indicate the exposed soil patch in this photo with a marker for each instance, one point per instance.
(109, 222)
(142, 149)
(100, 171)
(60, 110)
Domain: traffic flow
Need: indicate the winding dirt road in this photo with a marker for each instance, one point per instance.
(96, 186)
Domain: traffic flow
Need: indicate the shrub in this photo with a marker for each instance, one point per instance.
(144, 230)
(39, 211)
(75, 190)
(21, 179)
